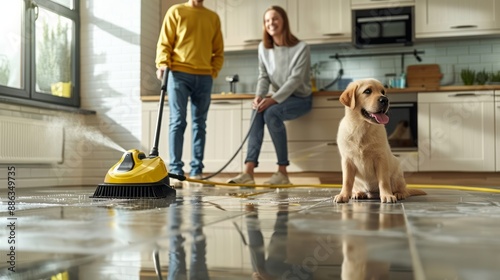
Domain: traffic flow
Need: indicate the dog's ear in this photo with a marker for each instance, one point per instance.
(347, 98)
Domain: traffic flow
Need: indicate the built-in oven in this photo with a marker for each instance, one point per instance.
(384, 26)
(402, 129)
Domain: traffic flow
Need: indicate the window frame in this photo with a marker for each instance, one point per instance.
(28, 92)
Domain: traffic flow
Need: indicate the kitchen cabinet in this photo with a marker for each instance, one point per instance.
(370, 4)
(224, 136)
(242, 21)
(497, 129)
(456, 131)
(320, 21)
(311, 139)
(448, 18)
(314, 21)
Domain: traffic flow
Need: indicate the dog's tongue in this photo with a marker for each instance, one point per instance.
(381, 118)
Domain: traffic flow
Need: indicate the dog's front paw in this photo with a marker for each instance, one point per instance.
(341, 198)
(400, 195)
(388, 198)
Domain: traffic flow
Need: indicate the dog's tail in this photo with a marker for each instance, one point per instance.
(416, 192)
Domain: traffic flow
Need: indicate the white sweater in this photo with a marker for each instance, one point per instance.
(287, 69)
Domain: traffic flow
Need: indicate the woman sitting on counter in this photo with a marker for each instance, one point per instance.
(284, 63)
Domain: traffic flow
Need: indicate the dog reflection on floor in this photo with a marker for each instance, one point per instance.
(363, 218)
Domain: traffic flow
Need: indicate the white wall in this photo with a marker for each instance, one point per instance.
(69, 172)
(118, 48)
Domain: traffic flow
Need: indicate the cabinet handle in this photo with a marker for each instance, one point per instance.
(252, 41)
(333, 34)
(333, 99)
(402, 105)
(223, 103)
(463, 94)
(331, 144)
(463, 26)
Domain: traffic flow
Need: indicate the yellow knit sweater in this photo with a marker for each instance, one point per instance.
(191, 41)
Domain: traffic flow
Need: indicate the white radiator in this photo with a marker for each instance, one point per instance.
(30, 141)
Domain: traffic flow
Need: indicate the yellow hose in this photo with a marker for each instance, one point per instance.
(338, 186)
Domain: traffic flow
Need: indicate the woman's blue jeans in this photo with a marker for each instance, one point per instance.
(274, 118)
(182, 87)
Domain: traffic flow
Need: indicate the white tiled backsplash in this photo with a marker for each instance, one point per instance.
(451, 55)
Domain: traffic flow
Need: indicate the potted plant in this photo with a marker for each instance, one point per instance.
(495, 78)
(4, 70)
(468, 76)
(53, 65)
(482, 77)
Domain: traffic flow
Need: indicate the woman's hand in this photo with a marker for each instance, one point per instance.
(261, 104)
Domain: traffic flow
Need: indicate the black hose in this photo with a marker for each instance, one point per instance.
(252, 119)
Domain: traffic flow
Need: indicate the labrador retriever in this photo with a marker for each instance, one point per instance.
(369, 169)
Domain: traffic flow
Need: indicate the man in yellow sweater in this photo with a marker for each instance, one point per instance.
(191, 46)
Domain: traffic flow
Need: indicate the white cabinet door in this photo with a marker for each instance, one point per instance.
(320, 21)
(456, 131)
(223, 136)
(438, 18)
(497, 129)
(242, 21)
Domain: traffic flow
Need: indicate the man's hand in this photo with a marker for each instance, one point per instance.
(160, 71)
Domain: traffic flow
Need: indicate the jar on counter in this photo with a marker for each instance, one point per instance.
(390, 79)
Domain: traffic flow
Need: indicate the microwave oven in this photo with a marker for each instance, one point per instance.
(383, 26)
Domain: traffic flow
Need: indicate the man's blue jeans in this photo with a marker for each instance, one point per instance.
(182, 87)
(274, 117)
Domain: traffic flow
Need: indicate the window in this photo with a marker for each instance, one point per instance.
(39, 60)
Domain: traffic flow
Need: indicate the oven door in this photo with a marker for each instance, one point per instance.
(383, 27)
(402, 126)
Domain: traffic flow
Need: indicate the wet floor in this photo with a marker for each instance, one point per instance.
(230, 233)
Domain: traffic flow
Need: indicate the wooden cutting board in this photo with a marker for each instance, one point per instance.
(423, 76)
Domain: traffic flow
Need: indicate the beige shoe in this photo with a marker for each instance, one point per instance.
(243, 178)
(278, 179)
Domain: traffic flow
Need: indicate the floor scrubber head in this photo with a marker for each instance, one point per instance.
(136, 176)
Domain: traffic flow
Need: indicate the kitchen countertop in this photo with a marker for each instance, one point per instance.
(239, 96)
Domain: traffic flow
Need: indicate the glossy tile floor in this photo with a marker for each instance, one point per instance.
(232, 233)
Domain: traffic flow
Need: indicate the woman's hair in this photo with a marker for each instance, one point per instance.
(288, 38)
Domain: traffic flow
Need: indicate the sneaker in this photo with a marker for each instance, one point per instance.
(278, 179)
(199, 177)
(243, 178)
(175, 183)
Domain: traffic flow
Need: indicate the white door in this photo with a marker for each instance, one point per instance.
(497, 128)
(456, 131)
(243, 21)
(223, 136)
(321, 21)
(436, 18)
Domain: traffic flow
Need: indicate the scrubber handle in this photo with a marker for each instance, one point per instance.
(154, 150)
